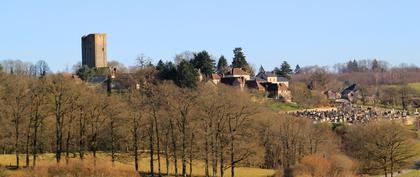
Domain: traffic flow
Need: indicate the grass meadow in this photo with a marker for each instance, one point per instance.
(46, 166)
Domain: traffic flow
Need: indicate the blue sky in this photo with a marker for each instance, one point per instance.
(305, 32)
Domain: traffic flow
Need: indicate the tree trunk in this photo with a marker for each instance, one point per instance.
(167, 152)
(34, 143)
(174, 147)
(213, 144)
(68, 145)
(191, 153)
(27, 151)
(136, 148)
(57, 129)
(157, 141)
(232, 157)
(17, 122)
(222, 172)
(184, 146)
(82, 134)
(151, 145)
(232, 150)
(112, 143)
(206, 152)
(28, 139)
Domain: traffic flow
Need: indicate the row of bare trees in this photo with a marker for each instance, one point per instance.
(175, 126)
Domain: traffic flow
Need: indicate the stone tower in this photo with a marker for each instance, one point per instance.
(94, 50)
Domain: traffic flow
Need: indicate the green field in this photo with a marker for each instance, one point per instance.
(277, 106)
(415, 173)
(415, 86)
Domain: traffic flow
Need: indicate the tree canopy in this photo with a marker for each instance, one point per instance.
(203, 62)
(222, 65)
(239, 60)
(186, 76)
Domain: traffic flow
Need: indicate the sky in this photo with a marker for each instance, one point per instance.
(304, 32)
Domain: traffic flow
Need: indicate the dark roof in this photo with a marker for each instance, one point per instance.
(98, 79)
(282, 79)
(270, 74)
(349, 92)
(351, 88)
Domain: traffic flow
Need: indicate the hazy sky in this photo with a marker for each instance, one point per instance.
(305, 32)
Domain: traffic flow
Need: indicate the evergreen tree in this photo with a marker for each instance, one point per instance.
(285, 70)
(352, 66)
(203, 62)
(239, 60)
(186, 75)
(85, 72)
(297, 69)
(375, 65)
(160, 65)
(166, 71)
(1, 68)
(222, 65)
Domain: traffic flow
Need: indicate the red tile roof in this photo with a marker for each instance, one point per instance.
(237, 71)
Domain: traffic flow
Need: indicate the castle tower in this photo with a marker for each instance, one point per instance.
(94, 50)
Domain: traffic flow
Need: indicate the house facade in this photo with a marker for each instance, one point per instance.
(267, 83)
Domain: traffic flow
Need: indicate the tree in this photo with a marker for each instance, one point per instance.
(64, 98)
(1, 68)
(186, 76)
(222, 65)
(239, 60)
(37, 114)
(285, 70)
(182, 103)
(85, 72)
(42, 68)
(17, 91)
(187, 56)
(375, 65)
(166, 71)
(134, 110)
(380, 146)
(203, 62)
(297, 69)
(143, 61)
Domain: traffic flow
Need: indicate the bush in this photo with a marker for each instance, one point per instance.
(317, 165)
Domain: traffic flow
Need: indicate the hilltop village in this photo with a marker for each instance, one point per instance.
(267, 83)
(271, 84)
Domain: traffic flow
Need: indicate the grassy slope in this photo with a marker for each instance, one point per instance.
(125, 163)
(415, 86)
(411, 174)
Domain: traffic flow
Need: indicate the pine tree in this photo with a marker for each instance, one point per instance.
(285, 70)
(203, 62)
(375, 65)
(297, 69)
(222, 65)
(239, 60)
(166, 71)
(186, 76)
